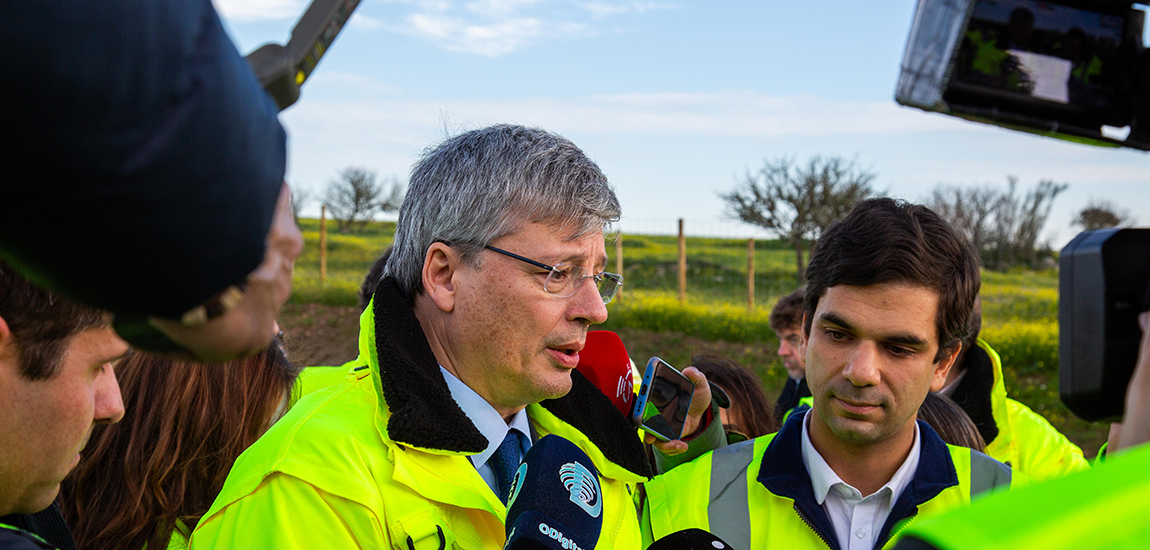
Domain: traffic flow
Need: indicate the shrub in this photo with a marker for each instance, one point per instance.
(1025, 346)
(661, 312)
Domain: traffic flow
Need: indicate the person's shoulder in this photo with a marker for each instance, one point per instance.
(12, 538)
(1030, 426)
(1043, 451)
(322, 440)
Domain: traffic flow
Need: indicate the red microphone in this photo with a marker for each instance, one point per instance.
(604, 361)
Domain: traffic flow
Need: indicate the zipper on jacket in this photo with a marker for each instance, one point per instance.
(899, 527)
(803, 517)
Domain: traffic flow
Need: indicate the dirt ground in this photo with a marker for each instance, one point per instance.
(315, 334)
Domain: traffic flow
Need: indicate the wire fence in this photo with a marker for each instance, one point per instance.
(708, 262)
(704, 261)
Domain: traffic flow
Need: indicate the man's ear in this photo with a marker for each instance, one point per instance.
(803, 337)
(942, 368)
(439, 268)
(7, 343)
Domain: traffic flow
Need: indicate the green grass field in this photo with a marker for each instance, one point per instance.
(1020, 308)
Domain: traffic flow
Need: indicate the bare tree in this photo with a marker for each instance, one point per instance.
(1002, 224)
(968, 209)
(299, 198)
(798, 202)
(356, 196)
(1020, 222)
(1101, 214)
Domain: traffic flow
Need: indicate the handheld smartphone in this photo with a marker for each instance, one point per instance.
(664, 397)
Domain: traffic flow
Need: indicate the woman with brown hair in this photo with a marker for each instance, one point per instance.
(950, 421)
(147, 480)
(750, 414)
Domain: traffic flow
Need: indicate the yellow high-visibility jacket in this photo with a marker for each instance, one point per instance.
(1026, 441)
(758, 494)
(380, 461)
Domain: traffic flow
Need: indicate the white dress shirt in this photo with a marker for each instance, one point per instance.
(857, 519)
(490, 424)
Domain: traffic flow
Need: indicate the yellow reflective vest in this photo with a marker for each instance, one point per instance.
(380, 461)
(1105, 507)
(757, 494)
(1026, 441)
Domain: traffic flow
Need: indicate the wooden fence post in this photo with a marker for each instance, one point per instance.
(619, 262)
(682, 264)
(322, 243)
(751, 275)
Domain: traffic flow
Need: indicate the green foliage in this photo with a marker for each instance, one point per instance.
(349, 257)
(1020, 308)
(661, 312)
(1026, 347)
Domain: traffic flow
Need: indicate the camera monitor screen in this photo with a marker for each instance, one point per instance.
(1043, 54)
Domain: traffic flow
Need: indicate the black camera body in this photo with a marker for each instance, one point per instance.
(1070, 69)
(1104, 284)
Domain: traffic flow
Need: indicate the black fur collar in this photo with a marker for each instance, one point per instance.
(423, 414)
(973, 392)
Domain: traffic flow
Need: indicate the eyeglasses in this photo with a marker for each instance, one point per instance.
(564, 280)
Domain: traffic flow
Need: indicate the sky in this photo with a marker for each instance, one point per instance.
(676, 101)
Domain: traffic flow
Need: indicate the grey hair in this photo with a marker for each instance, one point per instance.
(481, 185)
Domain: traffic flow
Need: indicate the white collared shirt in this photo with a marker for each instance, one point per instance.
(489, 423)
(857, 519)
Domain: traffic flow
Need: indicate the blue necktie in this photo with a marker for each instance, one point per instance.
(505, 462)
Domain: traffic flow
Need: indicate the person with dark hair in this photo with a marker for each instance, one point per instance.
(56, 384)
(1013, 433)
(787, 321)
(950, 422)
(749, 415)
(145, 151)
(146, 481)
(371, 280)
(890, 289)
(467, 356)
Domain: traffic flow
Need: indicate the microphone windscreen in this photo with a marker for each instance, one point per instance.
(604, 361)
(689, 539)
(556, 500)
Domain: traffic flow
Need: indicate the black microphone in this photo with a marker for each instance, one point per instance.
(556, 500)
(689, 539)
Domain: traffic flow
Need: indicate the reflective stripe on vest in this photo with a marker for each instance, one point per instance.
(728, 510)
(729, 484)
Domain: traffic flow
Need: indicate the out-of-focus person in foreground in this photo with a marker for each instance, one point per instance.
(144, 171)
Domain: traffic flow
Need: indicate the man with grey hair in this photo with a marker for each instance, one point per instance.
(467, 356)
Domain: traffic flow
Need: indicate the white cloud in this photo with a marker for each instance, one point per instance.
(376, 122)
(604, 9)
(499, 27)
(498, 7)
(493, 39)
(259, 10)
(361, 21)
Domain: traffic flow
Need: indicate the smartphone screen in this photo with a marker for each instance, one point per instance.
(663, 400)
